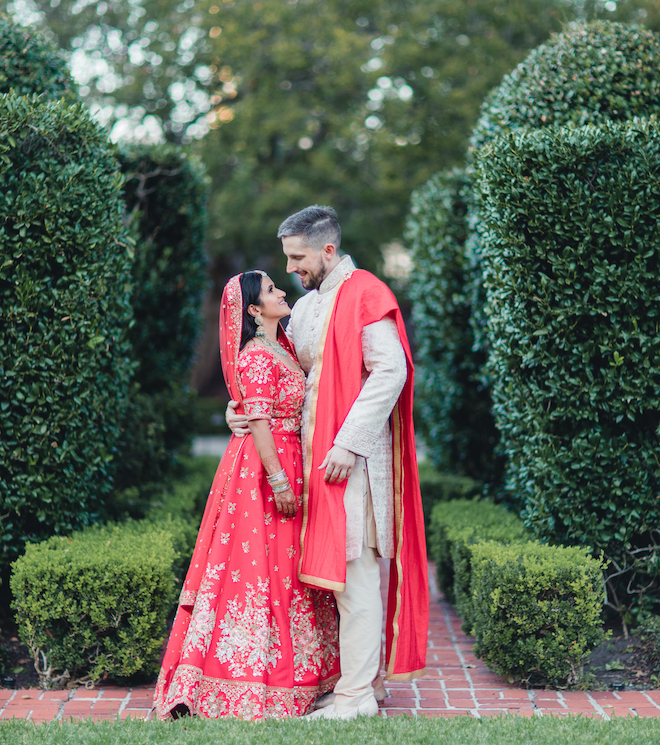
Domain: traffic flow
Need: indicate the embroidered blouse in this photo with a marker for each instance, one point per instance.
(270, 389)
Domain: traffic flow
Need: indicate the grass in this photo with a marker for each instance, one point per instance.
(509, 730)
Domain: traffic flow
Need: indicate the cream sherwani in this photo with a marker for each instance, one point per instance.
(369, 496)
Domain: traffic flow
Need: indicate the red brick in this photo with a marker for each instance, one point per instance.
(397, 712)
(76, 708)
(134, 713)
(114, 692)
(431, 695)
(83, 693)
(106, 707)
(55, 696)
(575, 696)
(16, 712)
(45, 713)
(397, 701)
(647, 711)
(5, 694)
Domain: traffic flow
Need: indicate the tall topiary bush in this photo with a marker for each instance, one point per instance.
(165, 195)
(459, 430)
(589, 74)
(572, 254)
(65, 363)
(29, 64)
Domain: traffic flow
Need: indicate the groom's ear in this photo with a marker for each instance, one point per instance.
(329, 250)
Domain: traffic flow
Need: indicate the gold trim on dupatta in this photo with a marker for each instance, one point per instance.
(397, 458)
(317, 581)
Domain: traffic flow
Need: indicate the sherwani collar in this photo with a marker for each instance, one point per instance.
(345, 266)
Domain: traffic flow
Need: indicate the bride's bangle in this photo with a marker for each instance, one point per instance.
(277, 477)
(281, 487)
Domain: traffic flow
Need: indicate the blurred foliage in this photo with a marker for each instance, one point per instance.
(165, 194)
(348, 102)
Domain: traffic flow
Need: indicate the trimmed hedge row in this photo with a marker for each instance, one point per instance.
(572, 256)
(454, 404)
(534, 609)
(462, 522)
(95, 604)
(591, 73)
(537, 610)
(65, 359)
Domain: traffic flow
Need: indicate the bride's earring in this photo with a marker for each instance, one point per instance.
(260, 329)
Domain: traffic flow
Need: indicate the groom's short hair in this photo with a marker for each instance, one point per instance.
(317, 225)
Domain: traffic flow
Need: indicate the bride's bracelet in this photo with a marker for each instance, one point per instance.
(280, 488)
(281, 476)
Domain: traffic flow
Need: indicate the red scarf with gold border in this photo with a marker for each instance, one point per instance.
(359, 300)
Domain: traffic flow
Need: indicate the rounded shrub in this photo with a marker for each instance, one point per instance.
(65, 360)
(30, 64)
(572, 256)
(454, 404)
(589, 74)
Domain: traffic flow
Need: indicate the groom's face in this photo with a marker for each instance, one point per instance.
(307, 263)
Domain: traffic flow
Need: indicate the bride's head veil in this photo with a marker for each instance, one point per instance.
(231, 326)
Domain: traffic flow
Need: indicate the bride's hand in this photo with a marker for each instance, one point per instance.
(237, 423)
(286, 503)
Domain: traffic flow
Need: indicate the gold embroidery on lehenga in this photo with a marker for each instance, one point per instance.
(250, 637)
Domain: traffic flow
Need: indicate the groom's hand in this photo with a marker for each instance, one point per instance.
(338, 464)
(237, 423)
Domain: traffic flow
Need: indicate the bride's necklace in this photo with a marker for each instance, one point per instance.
(274, 345)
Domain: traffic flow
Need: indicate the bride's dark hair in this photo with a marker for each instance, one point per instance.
(251, 290)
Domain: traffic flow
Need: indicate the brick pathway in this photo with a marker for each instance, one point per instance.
(456, 684)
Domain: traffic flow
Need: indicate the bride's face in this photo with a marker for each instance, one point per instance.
(273, 304)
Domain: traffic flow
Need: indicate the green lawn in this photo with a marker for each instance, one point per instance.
(509, 730)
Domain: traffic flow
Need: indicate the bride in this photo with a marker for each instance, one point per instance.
(249, 639)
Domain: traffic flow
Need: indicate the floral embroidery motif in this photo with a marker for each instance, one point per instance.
(249, 635)
(202, 622)
(270, 390)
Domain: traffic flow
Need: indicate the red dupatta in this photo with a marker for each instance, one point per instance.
(362, 299)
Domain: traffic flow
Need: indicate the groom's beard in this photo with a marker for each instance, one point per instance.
(313, 279)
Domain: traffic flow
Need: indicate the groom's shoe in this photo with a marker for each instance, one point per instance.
(379, 689)
(345, 713)
(328, 699)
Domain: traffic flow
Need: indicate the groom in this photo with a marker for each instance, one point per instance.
(361, 492)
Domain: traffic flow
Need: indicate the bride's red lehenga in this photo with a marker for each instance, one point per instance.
(249, 639)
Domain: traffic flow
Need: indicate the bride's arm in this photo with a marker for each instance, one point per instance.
(265, 444)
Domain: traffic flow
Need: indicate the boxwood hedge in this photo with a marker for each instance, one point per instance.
(536, 610)
(65, 361)
(165, 192)
(589, 74)
(572, 258)
(95, 603)
(30, 64)
(454, 403)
